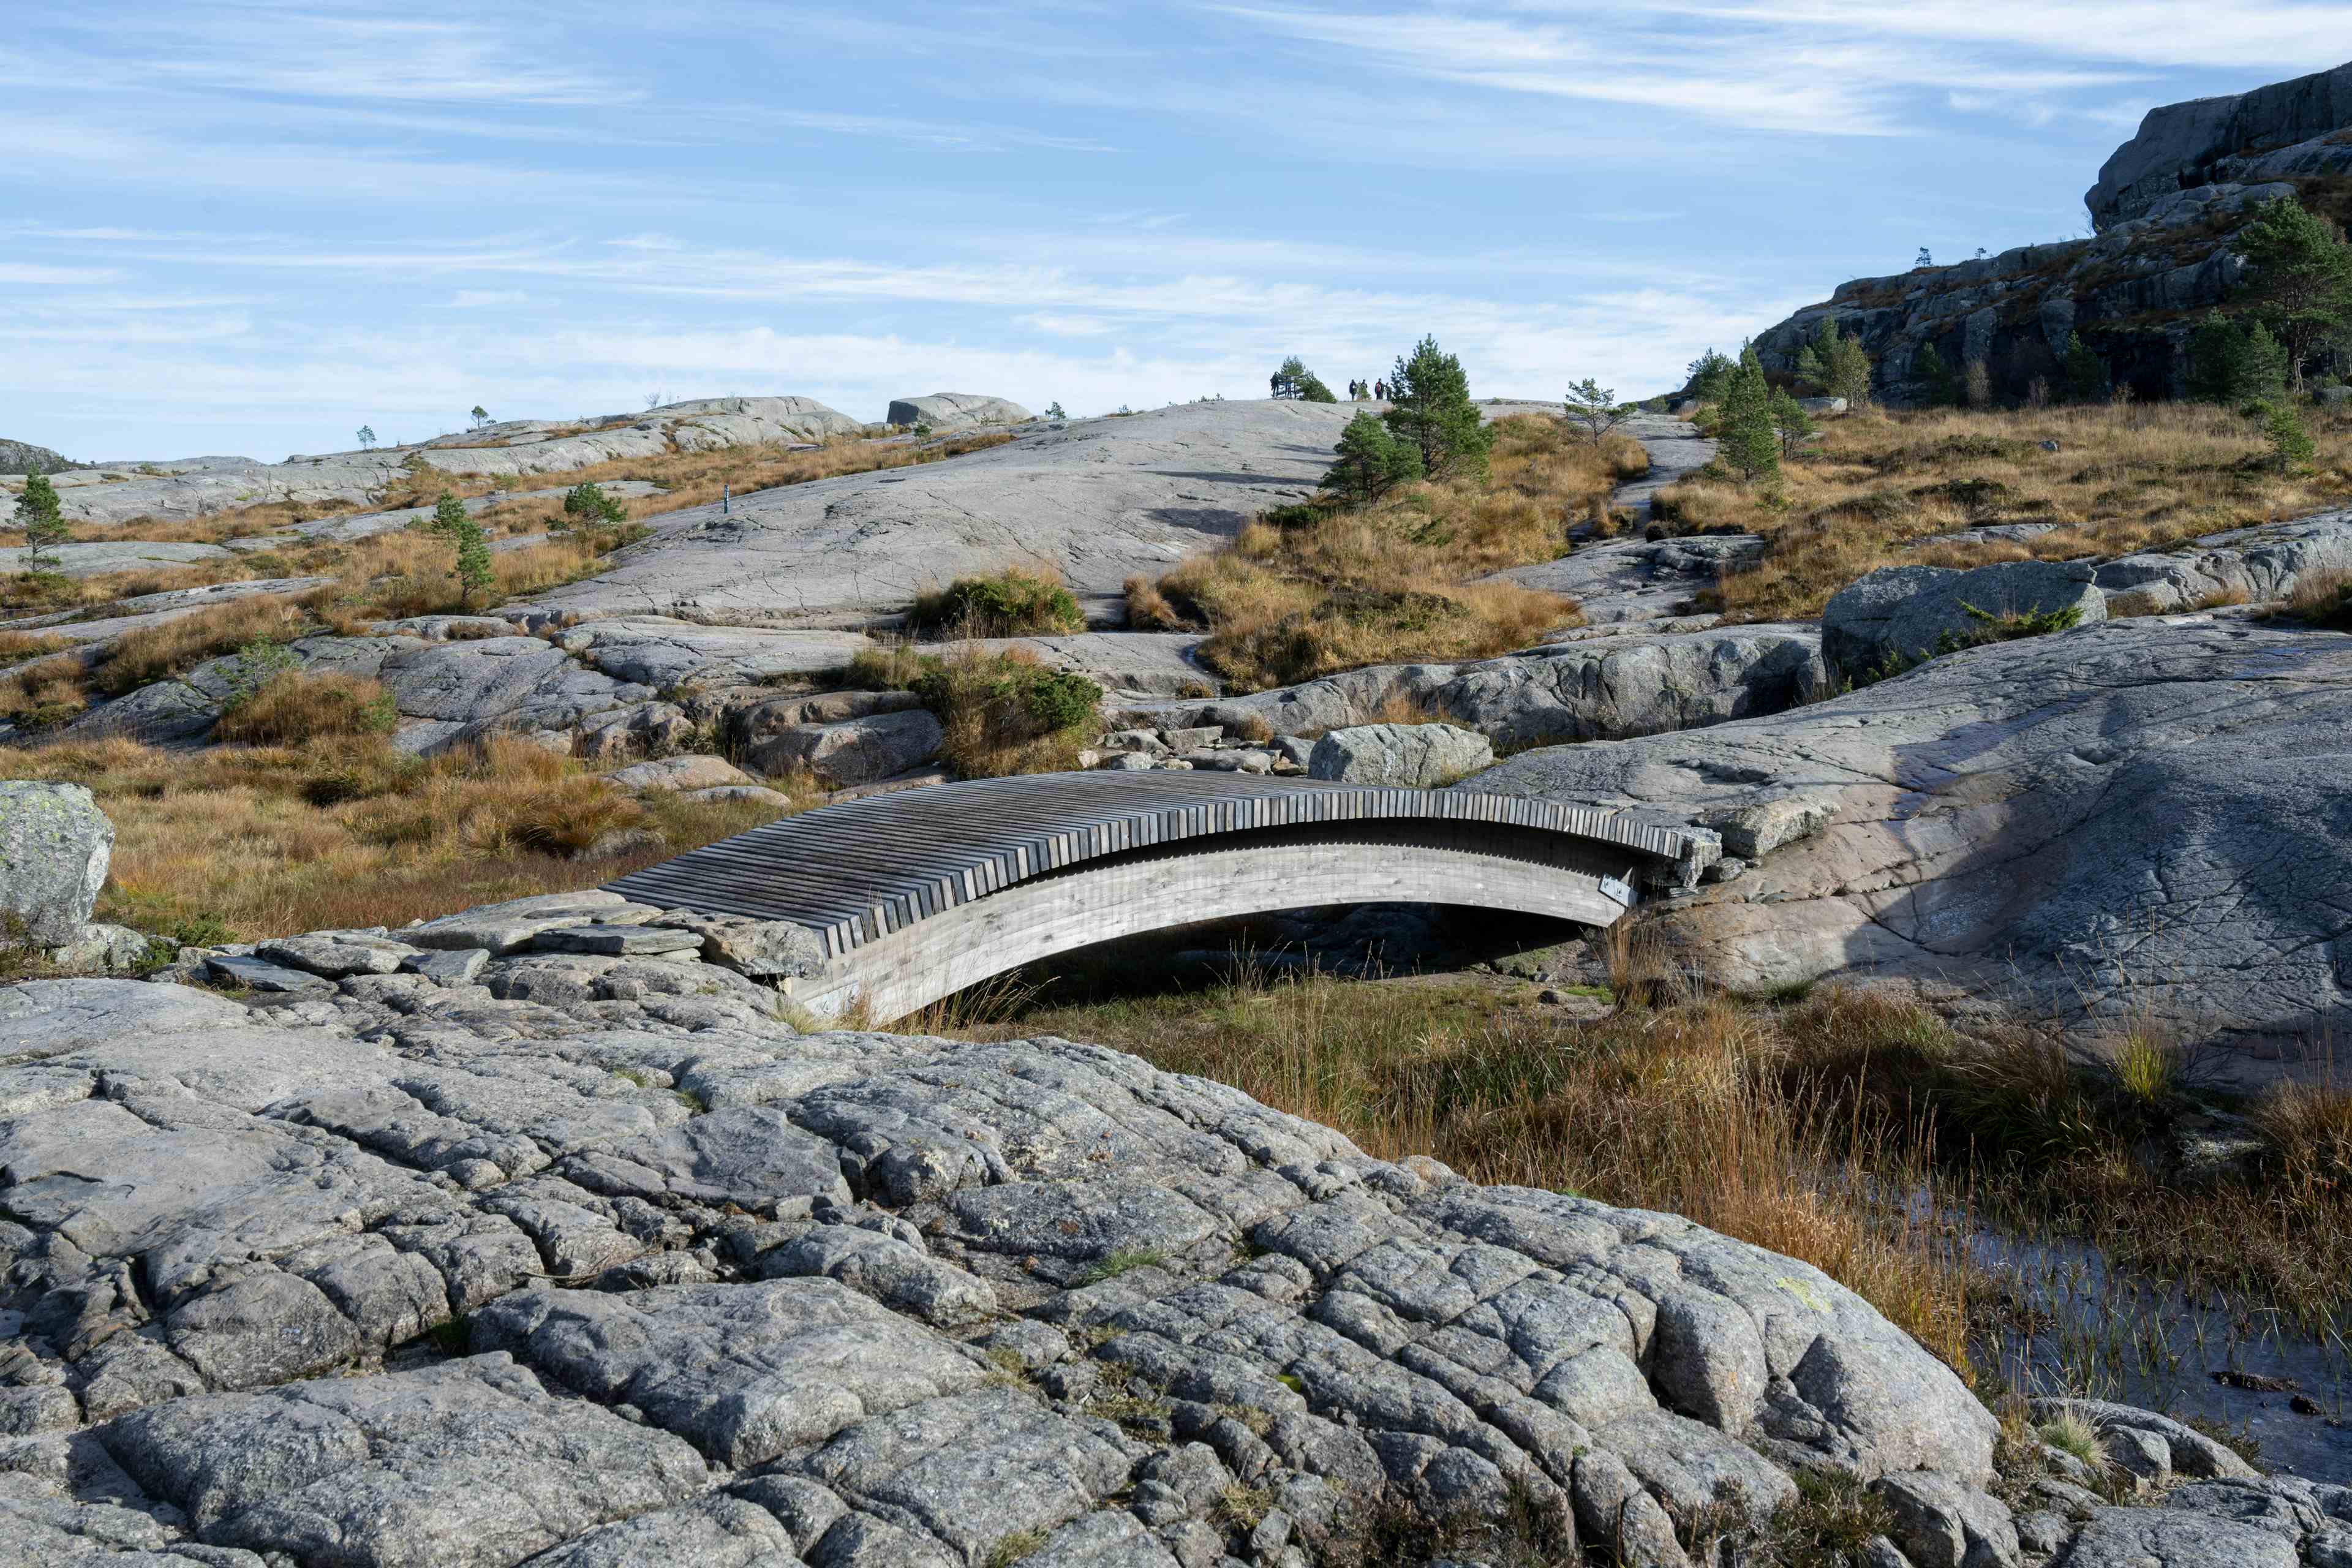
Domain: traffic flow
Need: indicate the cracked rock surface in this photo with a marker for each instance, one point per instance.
(395, 1271)
(569, 1259)
(2143, 814)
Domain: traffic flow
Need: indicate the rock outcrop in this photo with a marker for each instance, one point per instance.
(1898, 616)
(955, 411)
(2136, 818)
(24, 458)
(1401, 756)
(2287, 129)
(2165, 207)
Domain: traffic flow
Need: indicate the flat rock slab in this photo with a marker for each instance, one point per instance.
(1629, 581)
(115, 556)
(1100, 499)
(472, 1465)
(743, 1372)
(2142, 813)
(1159, 663)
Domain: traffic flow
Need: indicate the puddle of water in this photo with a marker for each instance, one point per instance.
(2086, 1328)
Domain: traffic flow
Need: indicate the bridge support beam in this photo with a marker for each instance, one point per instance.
(912, 968)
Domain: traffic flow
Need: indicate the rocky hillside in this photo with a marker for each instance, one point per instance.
(198, 487)
(2164, 208)
(24, 458)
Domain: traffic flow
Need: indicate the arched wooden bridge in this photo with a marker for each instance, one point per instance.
(918, 894)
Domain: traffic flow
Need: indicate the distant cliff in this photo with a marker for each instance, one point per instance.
(2165, 207)
(24, 458)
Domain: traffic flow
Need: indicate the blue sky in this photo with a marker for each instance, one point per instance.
(252, 227)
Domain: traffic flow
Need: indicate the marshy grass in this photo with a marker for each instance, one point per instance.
(1852, 1129)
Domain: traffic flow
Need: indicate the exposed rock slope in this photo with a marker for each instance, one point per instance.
(1099, 499)
(24, 458)
(2141, 816)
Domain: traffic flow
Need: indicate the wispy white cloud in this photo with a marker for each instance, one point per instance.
(34, 272)
(486, 298)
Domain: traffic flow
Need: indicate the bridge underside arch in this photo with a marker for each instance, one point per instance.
(909, 969)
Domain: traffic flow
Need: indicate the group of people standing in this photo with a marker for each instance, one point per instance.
(1378, 391)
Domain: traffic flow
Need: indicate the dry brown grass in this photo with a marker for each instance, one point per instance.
(20, 647)
(270, 840)
(2322, 599)
(2124, 478)
(1393, 581)
(294, 708)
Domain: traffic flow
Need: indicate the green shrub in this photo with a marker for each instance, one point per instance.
(257, 664)
(1016, 602)
(1370, 463)
(2291, 448)
(1004, 713)
(585, 505)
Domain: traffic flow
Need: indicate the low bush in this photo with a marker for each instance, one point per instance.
(2322, 599)
(1004, 713)
(1020, 601)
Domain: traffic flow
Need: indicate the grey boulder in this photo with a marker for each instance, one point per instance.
(54, 845)
(2247, 563)
(1408, 756)
(1899, 615)
(855, 750)
(955, 411)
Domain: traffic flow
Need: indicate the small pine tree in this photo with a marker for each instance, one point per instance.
(2291, 445)
(367, 436)
(449, 516)
(1929, 369)
(1925, 258)
(473, 568)
(2086, 373)
(1745, 435)
(1593, 410)
(1836, 364)
(43, 520)
(452, 523)
(1790, 421)
(1370, 461)
(1710, 375)
(2263, 370)
(1429, 408)
(1053, 411)
(585, 505)
(480, 416)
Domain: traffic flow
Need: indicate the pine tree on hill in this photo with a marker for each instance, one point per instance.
(2085, 372)
(1745, 438)
(1429, 409)
(43, 520)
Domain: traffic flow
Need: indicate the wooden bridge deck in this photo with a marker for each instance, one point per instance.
(860, 870)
